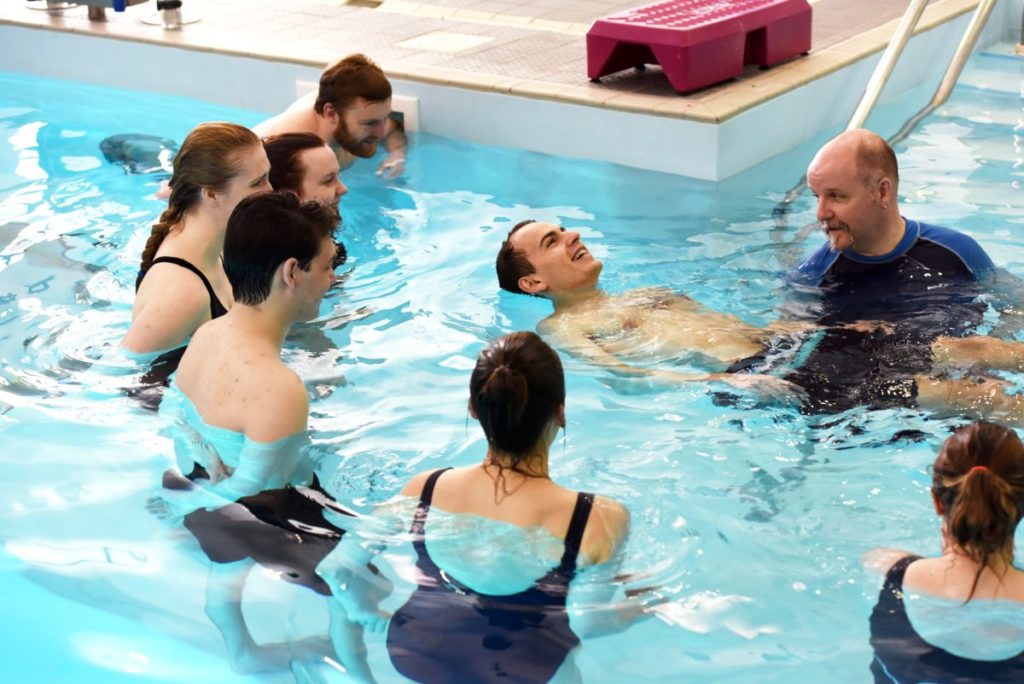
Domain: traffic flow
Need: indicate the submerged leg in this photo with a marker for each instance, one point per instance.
(224, 587)
(348, 643)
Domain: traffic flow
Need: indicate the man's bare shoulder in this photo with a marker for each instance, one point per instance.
(297, 118)
(284, 405)
(555, 325)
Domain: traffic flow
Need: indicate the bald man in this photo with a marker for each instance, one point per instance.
(920, 283)
(876, 264)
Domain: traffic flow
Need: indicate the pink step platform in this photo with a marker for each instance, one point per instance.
(699, 42)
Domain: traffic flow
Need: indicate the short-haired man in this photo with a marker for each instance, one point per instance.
(351, 111)
(548, 261)
(252, 496)
(654, 324)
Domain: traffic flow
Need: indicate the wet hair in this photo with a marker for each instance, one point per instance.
(876, 159)
(515, 390)
(267, 229)
(350, 78)
(511, 263)
(284, 152)
(978, 478)
(209, 158)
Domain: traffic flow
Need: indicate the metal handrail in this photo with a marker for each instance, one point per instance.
(887, 64)
(956, 67)
(881, 75)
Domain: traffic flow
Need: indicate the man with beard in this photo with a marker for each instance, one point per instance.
(351, 112)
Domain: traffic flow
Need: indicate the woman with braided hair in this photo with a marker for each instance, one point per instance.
(181, 282)
(959, 617)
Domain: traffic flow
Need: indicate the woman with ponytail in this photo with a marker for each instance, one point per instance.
(959, 617)
(498, 543)
(181, 282)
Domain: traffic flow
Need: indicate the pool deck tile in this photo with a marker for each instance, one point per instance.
(531, 48)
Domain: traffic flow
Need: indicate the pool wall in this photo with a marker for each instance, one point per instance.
(707, 151)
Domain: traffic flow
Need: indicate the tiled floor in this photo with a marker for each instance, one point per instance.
(533, 48)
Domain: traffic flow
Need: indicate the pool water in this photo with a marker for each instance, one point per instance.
(751, 521)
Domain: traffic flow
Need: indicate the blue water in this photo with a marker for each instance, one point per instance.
(751, 521)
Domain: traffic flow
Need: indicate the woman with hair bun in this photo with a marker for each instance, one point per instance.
(959, 617)
(497, 544)
(181, 282)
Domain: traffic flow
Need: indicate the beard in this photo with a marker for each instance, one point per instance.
(366, 148)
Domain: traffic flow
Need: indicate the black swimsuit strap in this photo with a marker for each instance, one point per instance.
(574, 537)
(426, 496)
(215, 303)
(894, 578)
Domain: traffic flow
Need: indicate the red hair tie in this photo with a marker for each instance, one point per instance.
(985, 468)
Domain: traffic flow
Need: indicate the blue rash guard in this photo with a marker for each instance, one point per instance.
(929, 282)
(903, 657)
(926, 287)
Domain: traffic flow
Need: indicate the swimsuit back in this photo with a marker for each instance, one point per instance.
(901, 655)
(449, 632)
(216, 308)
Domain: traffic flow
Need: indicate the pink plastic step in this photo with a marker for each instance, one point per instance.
(699, 43)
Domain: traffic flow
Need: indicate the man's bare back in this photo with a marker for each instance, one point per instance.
(301, 117)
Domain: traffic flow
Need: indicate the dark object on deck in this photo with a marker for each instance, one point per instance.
(140, 154)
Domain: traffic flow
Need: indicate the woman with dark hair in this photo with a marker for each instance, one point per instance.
(306, 165)
(181, 282)
(959, 617)
(481, 611)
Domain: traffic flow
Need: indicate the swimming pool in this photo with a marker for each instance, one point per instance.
(751, 520)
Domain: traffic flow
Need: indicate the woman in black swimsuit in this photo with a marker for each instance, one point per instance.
(959, 617)
(459, 625)
(181, 282)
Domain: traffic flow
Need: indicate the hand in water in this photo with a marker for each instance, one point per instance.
(766, 387)
(788, 326)
(361, 596)
(392, 167)
(168, 505)
(870, 327)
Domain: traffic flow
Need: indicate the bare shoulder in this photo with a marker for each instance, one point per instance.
(198, 353)
(169, 307)
(564, 330)
(168, 282)
(882, 559)
(550, 325)
(291, 120)
(607, 529)
(279, 405)
(414, 487)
